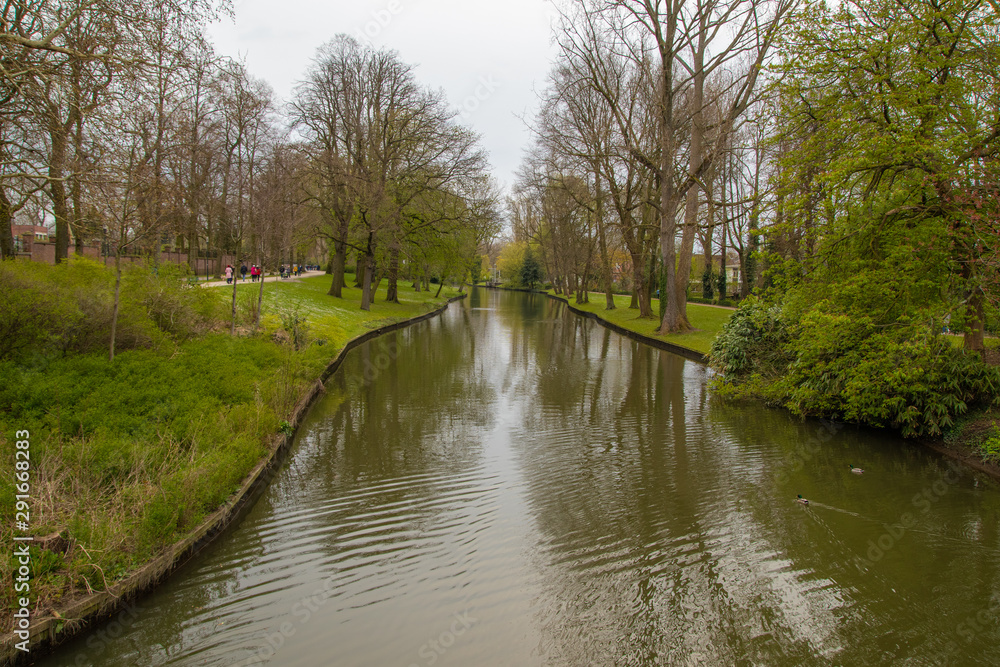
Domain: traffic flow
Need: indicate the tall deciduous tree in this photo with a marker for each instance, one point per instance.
(892, 119)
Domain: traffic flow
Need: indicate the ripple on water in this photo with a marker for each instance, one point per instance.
(586, 501)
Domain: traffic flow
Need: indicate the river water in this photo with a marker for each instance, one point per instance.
(510, 484)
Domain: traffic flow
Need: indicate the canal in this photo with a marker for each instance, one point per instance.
(510, 484)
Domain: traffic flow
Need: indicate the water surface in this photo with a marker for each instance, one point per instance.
(510, 484)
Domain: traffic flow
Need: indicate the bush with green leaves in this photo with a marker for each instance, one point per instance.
(68, 308)
(852, 367)
(752, 341)
(295, 324)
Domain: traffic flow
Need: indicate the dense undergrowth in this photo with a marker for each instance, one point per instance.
(846, 365)
(128, 456)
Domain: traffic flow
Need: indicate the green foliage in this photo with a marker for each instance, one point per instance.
(246, 305)
(478, 268)
(752, 341)
(510, 261)
(707, 283)
(294, 324)
(884, 112)
(916, 384)
(134, 453)
(128, 456)
(531, 270)
(990, 449)
(68, 308)
(851, 367)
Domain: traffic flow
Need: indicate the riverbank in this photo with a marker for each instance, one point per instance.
(974, 439)
(137, 463)
(707, 321)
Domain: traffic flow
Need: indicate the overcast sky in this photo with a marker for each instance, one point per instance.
(489, 57)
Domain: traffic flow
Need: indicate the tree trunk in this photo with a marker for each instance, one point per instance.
(441, 284)
(359, 270)
(723, 279)
(260, 296)
(693, 203)
(114, 312)
(339, 262)
(641, 278)
(337, 272)
(232, 325)
(369, 269)
(76, 186)
(392, 291)
(609, 296)
(57, 189)
(6, 233)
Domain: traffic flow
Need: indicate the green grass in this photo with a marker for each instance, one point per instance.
(128, 456)
(958, 340)
(333, 320)
(706, 320)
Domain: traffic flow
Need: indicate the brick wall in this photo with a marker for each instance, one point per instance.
(46, 252)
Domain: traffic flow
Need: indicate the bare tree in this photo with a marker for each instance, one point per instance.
(688, 42)
(378, 143)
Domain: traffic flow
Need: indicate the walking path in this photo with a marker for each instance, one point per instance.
(268, 279)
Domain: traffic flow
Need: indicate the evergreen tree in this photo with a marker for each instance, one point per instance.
(531, 270)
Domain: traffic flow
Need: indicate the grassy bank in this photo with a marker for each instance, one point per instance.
(128, 456)
(706, 320)
(329, 320)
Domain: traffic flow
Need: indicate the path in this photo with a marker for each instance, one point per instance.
(268, 279)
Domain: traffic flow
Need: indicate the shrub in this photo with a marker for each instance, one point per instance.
(918, 385)
(68, 308)
(752, 341)
(294, 324)
(849, 367)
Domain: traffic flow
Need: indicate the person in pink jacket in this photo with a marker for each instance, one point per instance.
(229, 274)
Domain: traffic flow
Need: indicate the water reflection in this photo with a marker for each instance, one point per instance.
(510, 484)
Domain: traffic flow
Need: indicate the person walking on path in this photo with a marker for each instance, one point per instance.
(229, 274)
(243, 271)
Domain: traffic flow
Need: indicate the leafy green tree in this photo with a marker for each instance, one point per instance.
(890, 117)
(510, 261)
(892, 111)
(531, 270)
